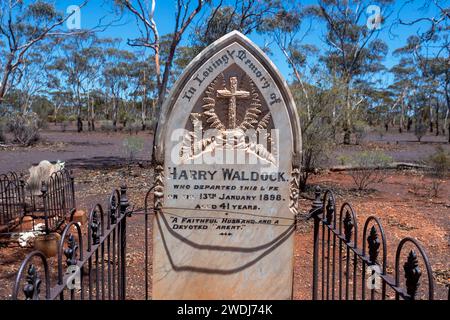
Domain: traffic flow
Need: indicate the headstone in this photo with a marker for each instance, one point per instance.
(228, 154)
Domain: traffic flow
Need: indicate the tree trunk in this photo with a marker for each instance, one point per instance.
(347, 121)
(402, 115)
(114, 115)
(79, 124)
(431, 118)
(437, 118)
(6, 74)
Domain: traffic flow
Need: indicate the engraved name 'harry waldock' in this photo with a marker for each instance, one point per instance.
(228, 149)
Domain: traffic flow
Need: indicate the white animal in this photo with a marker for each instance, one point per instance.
(40, 173)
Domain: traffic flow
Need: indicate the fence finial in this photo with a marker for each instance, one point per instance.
(374, 245)
(32, 288)
(124, 203)
(412, 274)
(44, 188)
(317, 203)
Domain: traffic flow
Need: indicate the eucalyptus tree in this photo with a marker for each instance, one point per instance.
(78, 67)
(403, 87)
(353, 51)
(115, 78)
(425, 75)
(31, 77)
(143, 11)
(286, 30)
(25, 25)
(142, 86)
(432, 29)
(224, 16)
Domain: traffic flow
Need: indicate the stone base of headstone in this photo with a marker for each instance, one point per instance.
(80, 216)
(48, 244)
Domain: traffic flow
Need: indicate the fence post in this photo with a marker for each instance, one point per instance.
(22, 193)
(123, 234)
(44, 202)
(316, 210)
(72, 184)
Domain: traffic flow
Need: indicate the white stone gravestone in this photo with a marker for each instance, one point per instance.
(228, 154)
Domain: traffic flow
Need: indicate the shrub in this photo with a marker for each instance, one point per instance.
(420, 130)
(318, 143)
(343, 160)
(381, 132)
(107, 126)
(63, 125)
(24, 128)
(368, 168)
(361, 129)
(132, 145)
(150, 124)
(133, 127)
(439, 164)
(2, 132)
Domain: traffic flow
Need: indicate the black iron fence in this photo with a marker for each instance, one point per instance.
(12, 200)
(55, 204)
(58, 198)
(90, 265)
(345, 268)
(93, 264)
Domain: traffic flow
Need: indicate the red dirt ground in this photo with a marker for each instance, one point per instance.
(402, 201)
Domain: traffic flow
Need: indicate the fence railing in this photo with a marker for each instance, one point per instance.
(54, 205)
(58, 197)
(89, 266)
(92, 265)
(345, 268)
(12, 200)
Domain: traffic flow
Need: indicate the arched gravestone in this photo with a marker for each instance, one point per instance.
(228, 155)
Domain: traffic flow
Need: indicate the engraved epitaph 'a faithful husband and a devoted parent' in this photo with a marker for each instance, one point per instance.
(228, 149)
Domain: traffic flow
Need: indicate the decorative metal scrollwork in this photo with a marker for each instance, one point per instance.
(71, 251)
(114, 203)
(412, 274)
(94, 228)
(374, 245)
(329, 211)
(348, 226)
(32, 288)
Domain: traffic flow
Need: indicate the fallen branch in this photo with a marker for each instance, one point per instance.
(392, 166)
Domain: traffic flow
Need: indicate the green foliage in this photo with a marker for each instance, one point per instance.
(132, 145)
(106, 125)
(150, 124)
(360, 129)
(317, 129)
(2, 132)
(420, 130)
(343, 160)
(133, 127)
(368, 167)
(439, 164)
(24, 128)
(380, 131)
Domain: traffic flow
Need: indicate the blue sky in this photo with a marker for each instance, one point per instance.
(164, 17)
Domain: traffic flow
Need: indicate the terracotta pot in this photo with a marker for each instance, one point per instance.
(48, 244)
(27, 223)
(80, 216)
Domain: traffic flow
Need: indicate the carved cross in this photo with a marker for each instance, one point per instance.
(232, 95)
